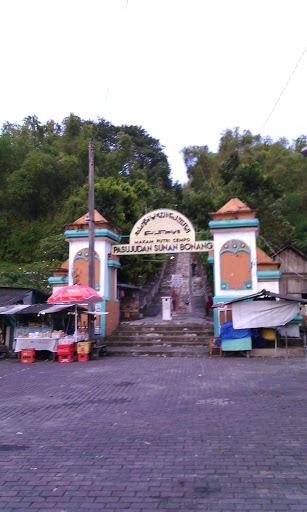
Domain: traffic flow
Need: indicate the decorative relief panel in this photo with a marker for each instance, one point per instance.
(235, 259)
(80, 274)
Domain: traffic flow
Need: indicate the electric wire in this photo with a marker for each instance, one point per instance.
(284, 263)
(284, 89)
(108, 90)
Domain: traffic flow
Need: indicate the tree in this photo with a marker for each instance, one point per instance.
(35, 185)
(44, 177)
(267, 175)
(201, 167)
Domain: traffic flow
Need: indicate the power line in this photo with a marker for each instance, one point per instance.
(284, 263)
(284, 89)
(105, 100)
(267, 243)
(108, 90)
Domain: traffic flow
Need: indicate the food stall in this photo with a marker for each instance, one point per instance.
(48, 341)
(43, 326)
(253, 321)
(26, 329)
(128, 296)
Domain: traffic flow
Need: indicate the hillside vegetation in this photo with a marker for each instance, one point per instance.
(44, 175)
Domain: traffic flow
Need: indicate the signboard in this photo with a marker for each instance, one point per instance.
(162, 231)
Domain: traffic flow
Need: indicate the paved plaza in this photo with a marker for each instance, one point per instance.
(154, 434)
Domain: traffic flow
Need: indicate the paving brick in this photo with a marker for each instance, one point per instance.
(143, 434)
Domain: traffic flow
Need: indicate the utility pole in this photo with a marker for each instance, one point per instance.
(91, 236)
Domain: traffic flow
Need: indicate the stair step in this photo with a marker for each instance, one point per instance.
(156, 351)
(165, 326)
(187, 334)
(163, 332)
(158, 343)
(154, 339)
(178, 343)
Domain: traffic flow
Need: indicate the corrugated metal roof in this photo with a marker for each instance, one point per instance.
(12, 309)
(11, 295)
(35, 309)
(261, 295)
(289, 245)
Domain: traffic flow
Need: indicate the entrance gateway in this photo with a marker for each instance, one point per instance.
(162, 231)
(240, 268)
(159, 232)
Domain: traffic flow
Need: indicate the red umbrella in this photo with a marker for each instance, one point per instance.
(75, 294)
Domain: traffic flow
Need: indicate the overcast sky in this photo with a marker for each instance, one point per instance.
(184, 70)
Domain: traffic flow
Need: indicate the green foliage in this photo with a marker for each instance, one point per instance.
(201, 167)
(197, 205)
(31, 186)
(258, 190)
(270, 176)
(44, 178)
(23, 241)
(119, 202)
(34, 275)
(53, 247)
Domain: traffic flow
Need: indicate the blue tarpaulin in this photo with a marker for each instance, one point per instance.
(228, 332)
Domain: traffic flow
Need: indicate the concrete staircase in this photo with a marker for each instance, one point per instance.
(155, 308)
(192, 290)
(189, 331)
(164, 339)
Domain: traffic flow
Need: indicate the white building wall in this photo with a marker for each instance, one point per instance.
(57, 287)
(270, 286)
(102, 248)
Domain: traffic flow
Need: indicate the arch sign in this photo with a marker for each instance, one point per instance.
(162, 231)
